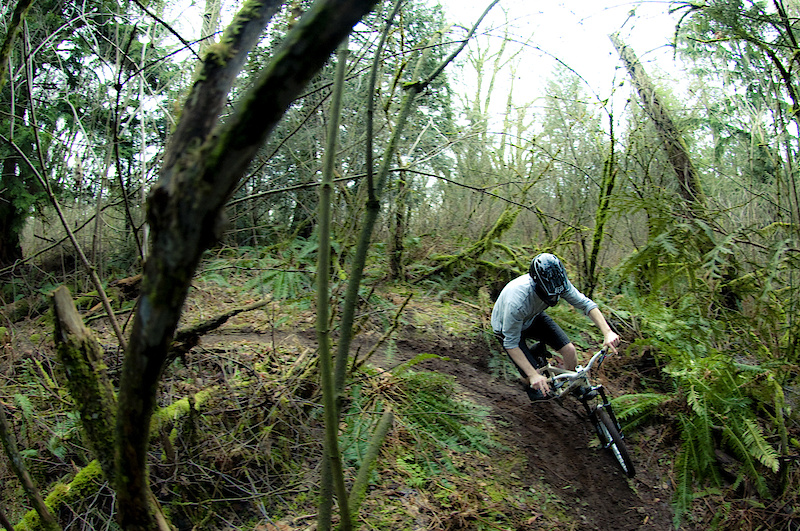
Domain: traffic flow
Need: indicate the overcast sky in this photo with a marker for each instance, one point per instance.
(576, 32)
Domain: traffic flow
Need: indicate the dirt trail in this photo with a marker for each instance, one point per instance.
(554, 438)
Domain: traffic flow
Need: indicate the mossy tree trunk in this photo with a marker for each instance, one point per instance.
(694, 203)
(671, 137)
(470, 254)
(81, 358)
(203, 164)
(603, 212)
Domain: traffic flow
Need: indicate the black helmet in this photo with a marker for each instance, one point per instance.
(550, 277)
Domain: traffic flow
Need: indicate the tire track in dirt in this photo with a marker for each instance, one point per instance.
(555, 439)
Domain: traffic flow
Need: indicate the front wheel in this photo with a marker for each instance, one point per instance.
(611, 438)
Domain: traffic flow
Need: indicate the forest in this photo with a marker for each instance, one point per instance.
(249, 250)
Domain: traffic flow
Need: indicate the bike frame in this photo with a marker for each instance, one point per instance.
(562, 381)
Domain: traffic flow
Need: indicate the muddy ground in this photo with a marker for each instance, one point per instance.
(554, 438)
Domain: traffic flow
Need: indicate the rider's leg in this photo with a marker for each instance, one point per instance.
(569, 355)
(533, 394)
(548, 334)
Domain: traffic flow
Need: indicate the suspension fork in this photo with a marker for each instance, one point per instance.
(591, 410)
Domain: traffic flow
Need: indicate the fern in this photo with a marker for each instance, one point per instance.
(26, 406)
(217, 278)
(758, 446)
(723, 395)
(739, 447)
(637, 409)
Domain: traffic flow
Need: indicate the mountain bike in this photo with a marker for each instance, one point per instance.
(593, 397)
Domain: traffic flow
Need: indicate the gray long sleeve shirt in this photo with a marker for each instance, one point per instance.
(518, 305)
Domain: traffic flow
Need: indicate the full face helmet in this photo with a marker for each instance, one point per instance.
(550, 277)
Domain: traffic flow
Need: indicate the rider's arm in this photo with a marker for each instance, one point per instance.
(536, 380)
(610, 338)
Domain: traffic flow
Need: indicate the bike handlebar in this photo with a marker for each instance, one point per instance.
(579, 370)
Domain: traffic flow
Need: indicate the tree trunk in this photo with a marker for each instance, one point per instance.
(397, 268)
(10, 217)
(203, 165)
(469, 255)
(603, 211)
(677, 152)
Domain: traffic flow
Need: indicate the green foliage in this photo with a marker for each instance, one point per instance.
(285, 272)
(427, 404)
(718, 402)
(637, 409)
(427, 408)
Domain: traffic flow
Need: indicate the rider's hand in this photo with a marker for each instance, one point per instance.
(610, 341)
(539, 382)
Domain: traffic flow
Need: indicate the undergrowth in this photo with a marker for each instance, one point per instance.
(726, 410)
(237, 442)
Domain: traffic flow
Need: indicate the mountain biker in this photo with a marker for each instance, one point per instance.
(518, 315)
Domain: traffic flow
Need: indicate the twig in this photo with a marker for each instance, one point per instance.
(383, 338)
(187, 338)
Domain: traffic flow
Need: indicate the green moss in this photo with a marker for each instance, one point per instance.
(177, 409)
(220, 53)
(82, 485)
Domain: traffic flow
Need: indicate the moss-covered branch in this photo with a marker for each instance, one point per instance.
(20, 12)
(48, 521)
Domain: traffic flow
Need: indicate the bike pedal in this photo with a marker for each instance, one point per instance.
(537, 395)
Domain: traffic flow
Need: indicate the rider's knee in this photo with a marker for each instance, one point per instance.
(568, 350)
(569, 355)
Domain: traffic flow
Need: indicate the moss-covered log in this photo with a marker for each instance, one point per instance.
(84, 484)
(485, 243)
(91, 477)
(81, 357)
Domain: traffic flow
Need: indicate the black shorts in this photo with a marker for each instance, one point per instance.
(547, 333)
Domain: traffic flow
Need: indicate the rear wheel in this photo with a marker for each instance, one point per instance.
(611, 438)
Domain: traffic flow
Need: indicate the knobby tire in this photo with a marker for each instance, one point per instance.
(613, 439)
